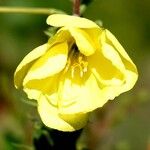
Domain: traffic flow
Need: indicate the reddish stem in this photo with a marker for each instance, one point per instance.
(76, 7)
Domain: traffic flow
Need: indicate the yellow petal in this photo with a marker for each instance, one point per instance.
(26, 63)
(62, 35)
(94, 34)
(49, 64)
(59, 20)
(51, 117)
(114, 69)
(104, 70)
(113, 81)
(79, 95)
(34, 88)
(111, 54)
(110, 38)
(131, 76)
(83, 41)
(32, 93)
(131, 73)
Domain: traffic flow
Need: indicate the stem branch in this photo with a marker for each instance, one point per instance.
(44, 11)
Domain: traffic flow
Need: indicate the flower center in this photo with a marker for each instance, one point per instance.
(77, 62)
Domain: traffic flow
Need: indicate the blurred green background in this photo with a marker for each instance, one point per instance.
(122, 124)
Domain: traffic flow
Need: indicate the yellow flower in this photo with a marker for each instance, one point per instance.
(78, 70)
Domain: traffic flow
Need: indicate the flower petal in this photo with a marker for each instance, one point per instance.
(84, 43)
(104, 70)
(62, 35)
(131, 73)
(111, 54)
(79, 95)
(51, 117)
(59, 20)
(26, 63)
(51, 63)
(94, 34)
(34, 88)
(110, 39)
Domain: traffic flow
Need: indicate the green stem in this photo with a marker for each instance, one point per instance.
(44, 11)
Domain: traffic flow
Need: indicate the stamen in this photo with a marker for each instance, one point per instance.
(83, 62)
(76, 60)
(75, 66)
